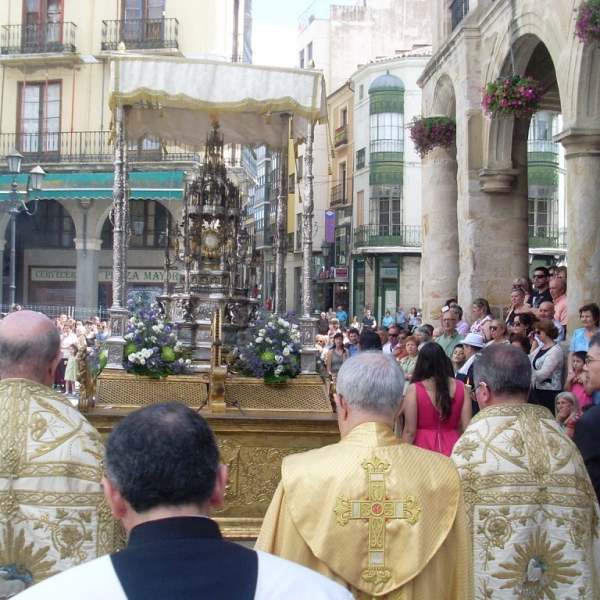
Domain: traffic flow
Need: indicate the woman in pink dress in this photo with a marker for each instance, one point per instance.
(436, 406)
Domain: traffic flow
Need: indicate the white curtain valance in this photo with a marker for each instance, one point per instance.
(175, 99)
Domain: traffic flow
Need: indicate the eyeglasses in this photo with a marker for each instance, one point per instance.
(517, 323)
(589, 359)
(494, 328)
(474, 390)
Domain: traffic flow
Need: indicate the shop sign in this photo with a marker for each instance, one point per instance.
(340, 273)
(389, 272)
(140, 275)
(49, 274)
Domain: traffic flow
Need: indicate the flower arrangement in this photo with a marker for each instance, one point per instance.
(587, 24)
(152, 348)
(271, 350)
(430, 132)
(512, 96)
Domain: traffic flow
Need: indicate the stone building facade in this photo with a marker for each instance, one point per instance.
(475, 208)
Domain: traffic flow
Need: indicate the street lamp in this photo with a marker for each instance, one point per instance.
(17, 206)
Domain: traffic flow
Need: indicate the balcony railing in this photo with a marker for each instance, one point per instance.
(85, 147)
(38, 38)
(339, 195)
(388, 235)
(548, 237)
(544, 147)
(140, 34)
(458, 11)
(340, 136)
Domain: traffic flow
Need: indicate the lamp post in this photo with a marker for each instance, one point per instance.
(17, 206)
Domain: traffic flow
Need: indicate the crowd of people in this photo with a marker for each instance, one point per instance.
(534, 321)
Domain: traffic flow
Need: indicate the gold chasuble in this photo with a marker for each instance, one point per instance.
(532, 509)
(384, 518)
(53, 511)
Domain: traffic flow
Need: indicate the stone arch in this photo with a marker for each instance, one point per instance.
(444, 98)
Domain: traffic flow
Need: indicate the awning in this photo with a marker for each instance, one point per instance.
(154, 185)
(176, 99)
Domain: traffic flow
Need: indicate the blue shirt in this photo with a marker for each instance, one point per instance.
(342, 316)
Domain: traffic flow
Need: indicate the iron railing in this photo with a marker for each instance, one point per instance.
(338, 195)
(388, 235)
(548, 237)
(140, 34)
(87, 147)
(458, 11)
(54, 311)
(38, 38)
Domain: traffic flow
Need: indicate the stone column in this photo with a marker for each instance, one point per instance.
(86, 286)
(582, 154)
(439, 264)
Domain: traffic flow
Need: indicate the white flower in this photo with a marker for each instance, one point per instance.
(261, 332)
(268, 340)
(128, 336)
(188, 361)
(155, 328)
(258, 340)
(279, 370)
(286, 351)
(142, 361)
(278, 359)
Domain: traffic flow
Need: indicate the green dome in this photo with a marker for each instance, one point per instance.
(386, 82)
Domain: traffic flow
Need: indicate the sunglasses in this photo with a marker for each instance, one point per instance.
(517, 323)
(494, 328)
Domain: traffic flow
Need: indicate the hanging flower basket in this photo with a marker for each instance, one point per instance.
(587, 24)
(512, 96)
(428, 133)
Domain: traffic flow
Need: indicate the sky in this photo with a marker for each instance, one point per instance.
(275, 30)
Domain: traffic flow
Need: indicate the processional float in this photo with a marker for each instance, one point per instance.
(206, 103)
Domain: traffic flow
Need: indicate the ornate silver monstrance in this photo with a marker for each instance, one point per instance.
(212, 243)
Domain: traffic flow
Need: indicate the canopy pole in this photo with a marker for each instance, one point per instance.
(308, 324)
(281, 222)
(120, 213)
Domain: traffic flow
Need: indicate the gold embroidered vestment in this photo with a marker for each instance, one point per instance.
(53, 511)
(532, 510)
(383, 518)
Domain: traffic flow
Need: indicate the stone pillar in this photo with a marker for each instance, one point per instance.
(2, 245)
(86, 286)
(439, 264)
(582, 154)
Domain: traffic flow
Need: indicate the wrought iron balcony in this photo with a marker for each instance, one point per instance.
(140, 34)
(40, 38)
(339, 195)
(341, 136)
(458, 11)
(388, 235)
(85, 147)
(548, 237)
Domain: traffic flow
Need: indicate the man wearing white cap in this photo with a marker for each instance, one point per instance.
(472, 345)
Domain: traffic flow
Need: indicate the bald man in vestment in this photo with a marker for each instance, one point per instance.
(53, 512)
(383, 518)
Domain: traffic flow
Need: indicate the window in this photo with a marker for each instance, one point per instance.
(299, 231)
(360, 159)
(343, 175)
(39, 128)
(386, 210)
(299, 168)
(387, 132)
(142, 20)
(360, 208)
(301, 60)
(292, 183)
(50, 227)
(543, 215)
(309, 52)
(150, 217)
(42, 21)
(361, 91)
(344, 116)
